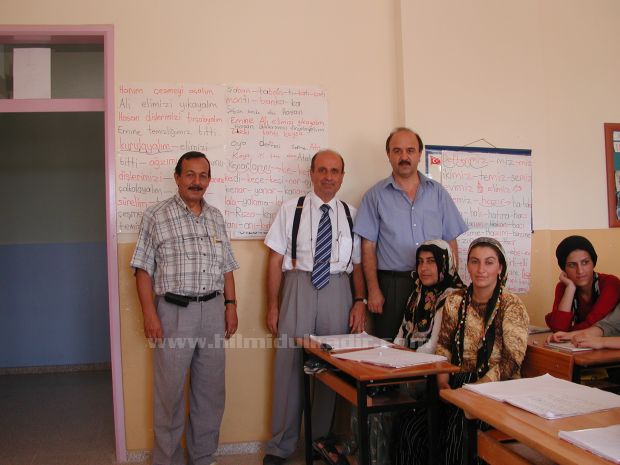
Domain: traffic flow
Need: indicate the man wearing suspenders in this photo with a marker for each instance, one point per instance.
(313, 251)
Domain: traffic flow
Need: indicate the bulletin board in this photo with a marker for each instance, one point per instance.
(612, 157)
(259, 140)
(492, 189)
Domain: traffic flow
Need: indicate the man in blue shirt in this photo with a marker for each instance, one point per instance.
(398, 214)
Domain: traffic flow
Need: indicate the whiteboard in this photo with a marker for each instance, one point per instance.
(492, 189)
(258, 138)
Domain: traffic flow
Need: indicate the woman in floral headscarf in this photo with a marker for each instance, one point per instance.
(435, 278)
(484, 333)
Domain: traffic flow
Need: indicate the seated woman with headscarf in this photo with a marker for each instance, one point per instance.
(435, 278)
(484, 333)
(583, 296)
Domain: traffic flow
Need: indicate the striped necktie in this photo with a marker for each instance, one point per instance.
(323, 250)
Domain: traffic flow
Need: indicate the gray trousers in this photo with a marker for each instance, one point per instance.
(194, 338)
(304, 310)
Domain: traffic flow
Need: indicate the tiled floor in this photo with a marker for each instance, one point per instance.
(66, 419)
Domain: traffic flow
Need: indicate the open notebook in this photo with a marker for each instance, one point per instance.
(390, 357)
(548, 397)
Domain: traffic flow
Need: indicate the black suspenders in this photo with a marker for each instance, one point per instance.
(297, 219)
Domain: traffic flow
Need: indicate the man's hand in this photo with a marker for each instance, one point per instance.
(272, 321)
(357, 317)
(375, 300)
(230, 316)
(152, 327)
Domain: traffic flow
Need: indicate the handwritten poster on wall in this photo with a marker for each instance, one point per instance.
(273, 133)
(493, 190)
(259, 140)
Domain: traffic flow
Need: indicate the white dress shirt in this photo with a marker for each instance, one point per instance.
(344, 254)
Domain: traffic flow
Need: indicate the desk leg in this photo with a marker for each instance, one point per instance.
(307, 412)
(470, 452)
(362, 426)
(432, 396)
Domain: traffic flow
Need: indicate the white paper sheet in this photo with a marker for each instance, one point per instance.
(566, 346)
(338, 342)
(32, 75)
(531, 329)
(604, 442)
(390, 357)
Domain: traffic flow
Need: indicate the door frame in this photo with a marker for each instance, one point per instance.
(104, 34)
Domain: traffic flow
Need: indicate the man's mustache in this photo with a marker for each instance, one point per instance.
(404, 162)
(195, 188)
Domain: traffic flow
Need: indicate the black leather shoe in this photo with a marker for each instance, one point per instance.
(273, 460)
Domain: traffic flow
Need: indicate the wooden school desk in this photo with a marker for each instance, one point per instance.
(352, 381)
(540, 359)
(534, 431)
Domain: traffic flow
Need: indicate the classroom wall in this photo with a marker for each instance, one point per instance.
(529, 74)
(351, 48)
(535, 74)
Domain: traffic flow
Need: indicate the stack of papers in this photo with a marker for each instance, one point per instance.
(566, 346)
(548, 397)
(604, 442)
(390, 357)
(537, 329)
(339, 342)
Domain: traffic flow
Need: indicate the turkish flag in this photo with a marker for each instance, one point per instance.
(435, 161)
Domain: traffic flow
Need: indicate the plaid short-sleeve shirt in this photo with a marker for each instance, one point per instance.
(184, 253)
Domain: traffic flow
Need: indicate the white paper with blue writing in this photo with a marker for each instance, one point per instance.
(548, 397)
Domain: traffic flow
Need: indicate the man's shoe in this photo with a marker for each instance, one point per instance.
(273, 460)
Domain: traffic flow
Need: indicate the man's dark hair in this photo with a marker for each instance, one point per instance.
(189, 156)
(322, 151)
(387, 142)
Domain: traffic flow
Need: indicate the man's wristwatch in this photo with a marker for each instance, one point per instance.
(230, 301)
(361, 299)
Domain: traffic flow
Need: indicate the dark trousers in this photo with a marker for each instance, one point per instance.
(396, 287)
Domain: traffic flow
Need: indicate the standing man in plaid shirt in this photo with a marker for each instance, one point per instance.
(183, 254)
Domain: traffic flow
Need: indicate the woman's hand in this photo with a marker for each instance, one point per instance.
(560, 336)
(584, 340)
(564, 279)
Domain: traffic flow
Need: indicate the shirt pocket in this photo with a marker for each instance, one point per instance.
(345, 248)
(193, 245)
(305, 246)
(432, 225)
(188, 247)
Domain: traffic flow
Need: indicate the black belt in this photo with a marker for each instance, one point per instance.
(184, 300)
(398, 274)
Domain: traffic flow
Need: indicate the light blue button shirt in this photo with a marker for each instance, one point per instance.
(399, 226)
